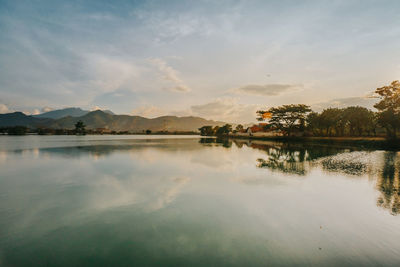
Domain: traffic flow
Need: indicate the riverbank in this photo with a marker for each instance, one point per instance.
(361, 142)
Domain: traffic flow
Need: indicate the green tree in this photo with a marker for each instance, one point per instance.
(80, 128)
(226, 129)
(287, 118)
(206, 130)
(148, 131)
(332, 119)
(17, 130)
(314, 123)
(239, 128)
(359, 119)
(373, 126)
(215, 129)
(389, 108)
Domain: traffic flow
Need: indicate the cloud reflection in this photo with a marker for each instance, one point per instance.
(117, 180)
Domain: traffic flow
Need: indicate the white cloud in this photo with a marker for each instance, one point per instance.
(168, 29)
(268, 89)
(168, 194)
(148, 111)
(46, 109)
(95, 108)
(171, 75)
(228, 110)
(4, 109)
(100, 52)
(32, 112)
(109, 74)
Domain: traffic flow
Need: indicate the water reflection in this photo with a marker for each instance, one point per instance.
(286, 161)
(299, 159)
(388, 183)
(99, 149)
(291, 158)
(216, 141)
(197, 202)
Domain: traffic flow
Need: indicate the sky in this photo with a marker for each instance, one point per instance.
(219, 60)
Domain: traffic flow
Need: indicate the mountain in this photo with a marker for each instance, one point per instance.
(61, 113)
(108, 112)
(20, 119)
(101, 119)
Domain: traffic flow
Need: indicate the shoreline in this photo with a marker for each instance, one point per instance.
(360, 142)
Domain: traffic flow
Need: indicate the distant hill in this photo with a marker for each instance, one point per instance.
(20, 119)
(101, 119)
(61, 113)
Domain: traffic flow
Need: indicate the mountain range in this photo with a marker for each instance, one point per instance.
(104, 119)
(61, 113)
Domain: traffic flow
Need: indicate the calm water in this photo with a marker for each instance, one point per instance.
(158, 200)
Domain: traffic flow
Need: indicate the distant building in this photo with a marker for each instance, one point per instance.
(261, 130)
(254, 129)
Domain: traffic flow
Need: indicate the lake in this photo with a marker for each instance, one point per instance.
(188, 201)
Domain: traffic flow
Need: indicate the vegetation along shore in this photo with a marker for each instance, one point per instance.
(353, 125)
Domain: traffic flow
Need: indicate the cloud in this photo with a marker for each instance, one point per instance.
(167, 27)
(171, 75)
(364, 101)
(151, 111)
(228, 110)
(268, 89)
(4, 109)
(148, 111)
(32, 112)
(77, 54)
(107, 74)
(96, 108)
(168, 194)
(46, 109)
(181, 88)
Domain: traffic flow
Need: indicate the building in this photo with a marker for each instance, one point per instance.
(261, 130)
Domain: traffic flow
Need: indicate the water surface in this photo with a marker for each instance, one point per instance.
(183, 200)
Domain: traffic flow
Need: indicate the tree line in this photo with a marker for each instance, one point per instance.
(350, 121)
(300, 119)
(217, 130)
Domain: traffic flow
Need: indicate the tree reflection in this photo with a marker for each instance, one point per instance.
(287, 161)
(388, 183)
(298, 159)
(291, 158)
(225, 142)
(348, 163)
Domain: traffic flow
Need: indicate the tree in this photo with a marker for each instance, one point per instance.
(226, 129)
(286, 118)
(359, 119)
(206, 130)
(354, 120)
(332, 119)
(373, 125)
(389, 108)
(17, 130)
(239, 128)
(314, 123)
(148, 131)
(80, 128)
